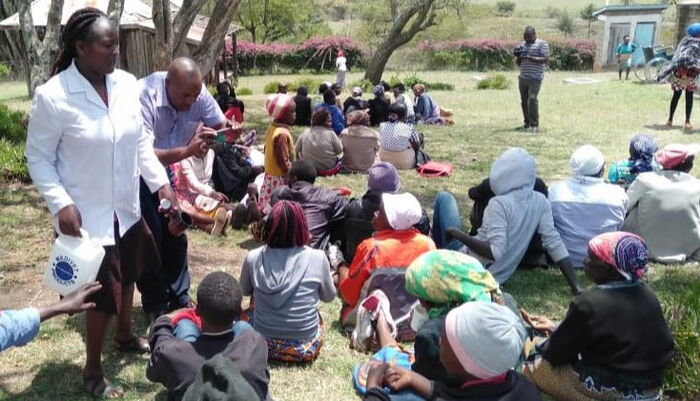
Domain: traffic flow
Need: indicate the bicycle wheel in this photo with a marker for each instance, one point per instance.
(638, 70)
(654, 68)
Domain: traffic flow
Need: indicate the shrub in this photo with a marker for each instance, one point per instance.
(311, 83)
(270, 87)
(315, 54)
(492, 54)
(5, 72)
(13, 125)
(244, 92)
(565, 24)
(365, 84)
(13, 166)
(413, 79)
(505, 8)
(683, 376)
(498, 81)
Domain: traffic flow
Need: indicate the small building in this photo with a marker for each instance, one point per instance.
(687, 12)
(641, 21)
(137, 31)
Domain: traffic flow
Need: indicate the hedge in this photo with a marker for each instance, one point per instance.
(315, 54)
(493, 54)
(13, 134)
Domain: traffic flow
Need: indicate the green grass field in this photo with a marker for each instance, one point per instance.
(606, 114)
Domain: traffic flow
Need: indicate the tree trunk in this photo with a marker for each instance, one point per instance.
(40, 55)
(163, 36)
(115, 10)
(209, 49)
(421, 15)
(182, 23)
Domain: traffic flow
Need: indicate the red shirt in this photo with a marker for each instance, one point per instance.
(387, 248)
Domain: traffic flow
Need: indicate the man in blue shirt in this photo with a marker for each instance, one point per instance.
(182, 117)
(18, 327)
(531, 56)
(624, 53)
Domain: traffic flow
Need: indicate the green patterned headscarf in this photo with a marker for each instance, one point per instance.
(449, 278)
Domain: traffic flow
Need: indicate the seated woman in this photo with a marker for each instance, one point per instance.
(360, 143)
(664, 207)
(210, 210)
(614, 343)
(337, 118)
(479, 347)
(642, 149)
(427, 111)
(511, 218)
(395, 244)
(233, 108)
(399, 140)
(401, 97)
(319, 145)
(441, 280)
(286, 280)
(379, 106)
(303, 103)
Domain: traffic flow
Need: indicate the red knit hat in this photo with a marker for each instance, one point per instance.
(277, 105)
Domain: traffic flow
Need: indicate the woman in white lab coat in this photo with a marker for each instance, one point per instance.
(86, 150)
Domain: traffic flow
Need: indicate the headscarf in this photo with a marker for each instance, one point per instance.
(642, 149)
(358, 117)
(586, 161)
(445, 277)
(383, 177)
(693, 30)
(378, 90)
(514, 169)
(486, 338)
(673, 155)
(624, 251)
(277, 105)
(402, 211)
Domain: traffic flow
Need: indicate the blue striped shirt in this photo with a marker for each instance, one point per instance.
(530, 69)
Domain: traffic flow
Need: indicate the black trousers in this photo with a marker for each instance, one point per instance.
(165, 288)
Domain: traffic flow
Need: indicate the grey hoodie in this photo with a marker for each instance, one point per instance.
(287, 284)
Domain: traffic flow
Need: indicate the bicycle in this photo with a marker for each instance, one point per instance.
(656, 59)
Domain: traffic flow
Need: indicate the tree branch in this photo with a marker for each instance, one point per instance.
(183, 22)
(115, 10)
(209, 49)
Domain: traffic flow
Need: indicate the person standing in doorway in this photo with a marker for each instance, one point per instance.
(531, 56)
(624, 53)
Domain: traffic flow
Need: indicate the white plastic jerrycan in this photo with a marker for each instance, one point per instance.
(74, 262)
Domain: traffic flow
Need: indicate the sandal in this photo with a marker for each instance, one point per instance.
(99, 387)
(135, 344)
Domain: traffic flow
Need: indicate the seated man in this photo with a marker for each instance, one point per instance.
(18, 327)
(383, 178)
(355, 102)
(175, 359)
(395, 244)
(584, 206)
(510, 220)
(664, 207)
(324, 208)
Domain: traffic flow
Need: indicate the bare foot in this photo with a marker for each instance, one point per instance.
(98, 386)
(669, 123)
(688, 126)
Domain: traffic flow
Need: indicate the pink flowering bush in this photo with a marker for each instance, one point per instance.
(314, 54)
(494, 54)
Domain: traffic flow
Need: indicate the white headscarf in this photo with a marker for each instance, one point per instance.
(403, 211)
(586, 161)
(514, 169)
(486, 338)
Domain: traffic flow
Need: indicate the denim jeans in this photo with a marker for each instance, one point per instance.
(446, 215)
(188, 331)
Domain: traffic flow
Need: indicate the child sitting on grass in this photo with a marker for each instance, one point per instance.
(184, 339)
(480, 345)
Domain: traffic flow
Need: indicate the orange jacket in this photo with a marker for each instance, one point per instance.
(388, 248)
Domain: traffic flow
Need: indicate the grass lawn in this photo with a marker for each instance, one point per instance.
(605, 114)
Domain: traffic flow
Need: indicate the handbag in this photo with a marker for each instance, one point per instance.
(435, 169)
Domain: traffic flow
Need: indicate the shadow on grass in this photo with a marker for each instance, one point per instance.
(659, 127)
(21, 195)
(249, 244)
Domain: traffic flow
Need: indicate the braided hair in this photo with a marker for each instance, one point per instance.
(286, 226)
(77, 28)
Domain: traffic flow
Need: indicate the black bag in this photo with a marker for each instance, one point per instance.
(422, 156)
